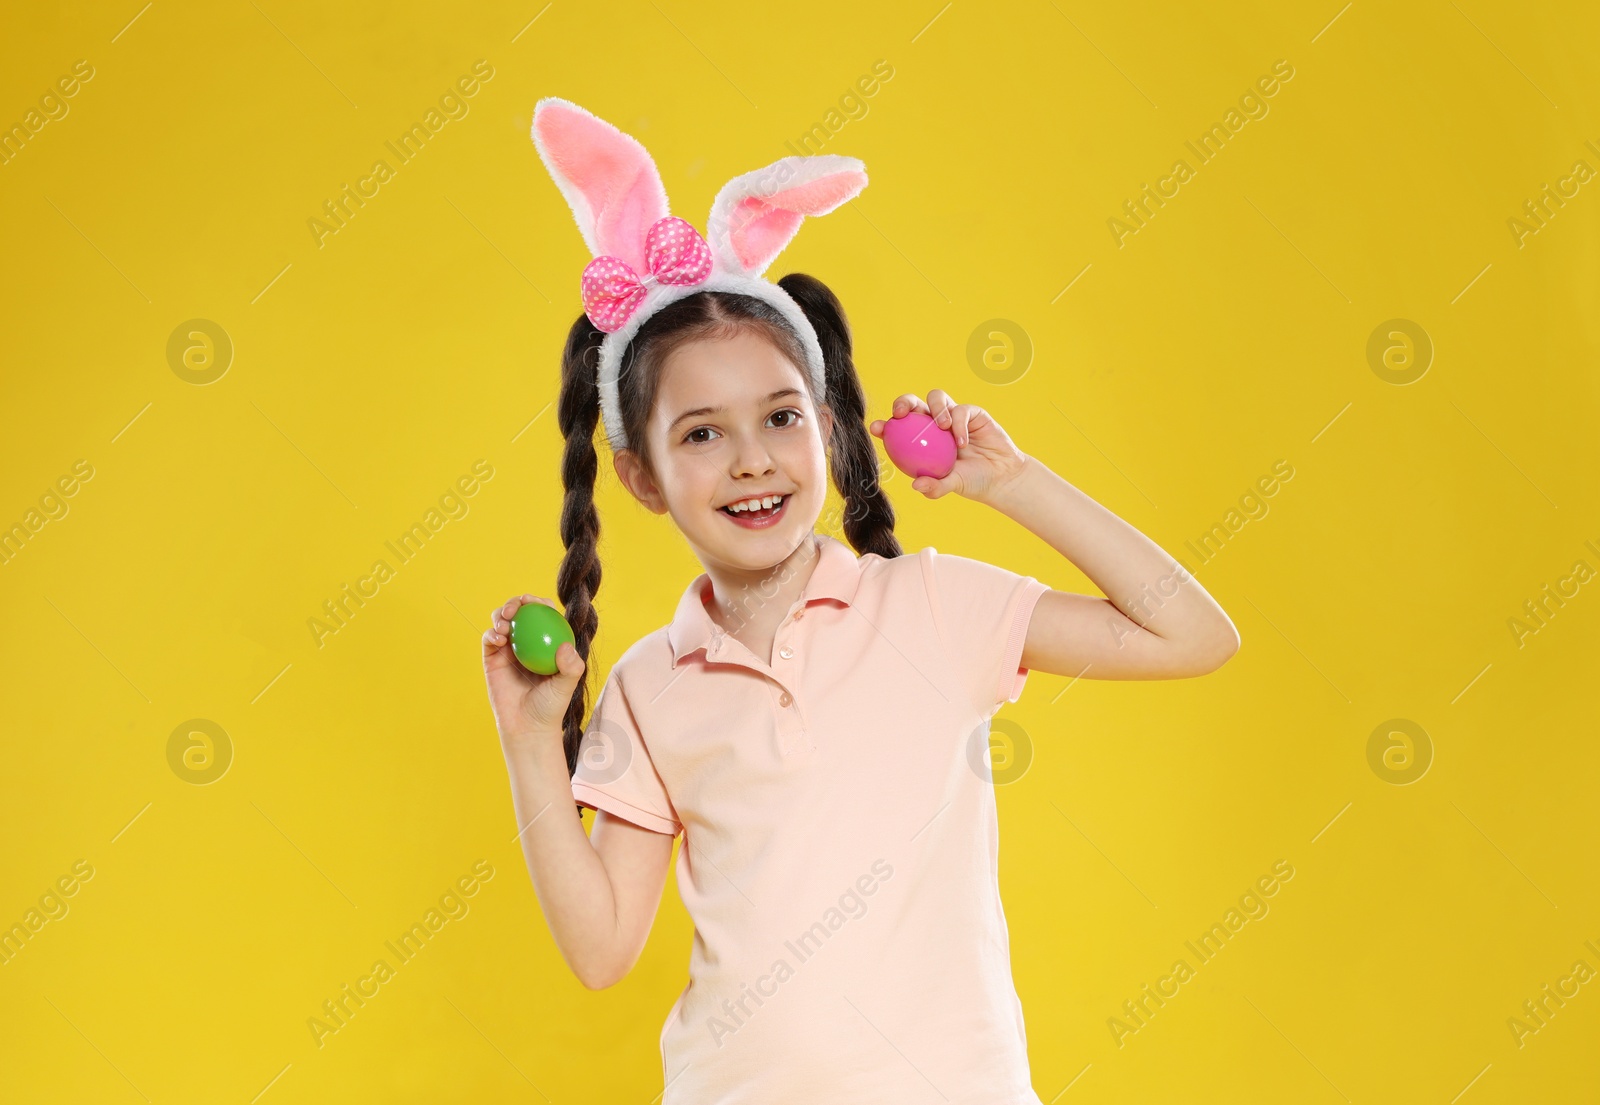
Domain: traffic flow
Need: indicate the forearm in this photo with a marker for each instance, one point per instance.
(1145, 583)
(569, 878)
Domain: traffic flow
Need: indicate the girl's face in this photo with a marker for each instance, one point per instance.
(734, 421)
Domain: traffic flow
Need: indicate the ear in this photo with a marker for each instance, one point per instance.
(755, 215)
(630, 471)
(607, 178)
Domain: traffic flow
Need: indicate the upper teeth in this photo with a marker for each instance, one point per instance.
(756, 504)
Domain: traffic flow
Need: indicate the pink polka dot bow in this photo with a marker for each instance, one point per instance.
(674, 253)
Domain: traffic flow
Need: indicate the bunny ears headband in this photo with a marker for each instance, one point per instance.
(645, 259)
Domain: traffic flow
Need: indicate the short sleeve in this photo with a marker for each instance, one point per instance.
(614, 770)
(982, 613)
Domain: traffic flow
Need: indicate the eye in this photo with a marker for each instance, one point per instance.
(793, 414)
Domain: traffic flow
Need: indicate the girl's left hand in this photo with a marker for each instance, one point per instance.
(986, 459)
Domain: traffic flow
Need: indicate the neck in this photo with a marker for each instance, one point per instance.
(750, 602)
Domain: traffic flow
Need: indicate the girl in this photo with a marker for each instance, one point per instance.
(814, 720)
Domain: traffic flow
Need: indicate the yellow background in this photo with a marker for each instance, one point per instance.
(371, 372)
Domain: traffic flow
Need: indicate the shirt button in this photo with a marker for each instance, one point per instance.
(784, 699)
(786, 652)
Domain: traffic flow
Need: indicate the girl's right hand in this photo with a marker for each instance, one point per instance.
(527, 705)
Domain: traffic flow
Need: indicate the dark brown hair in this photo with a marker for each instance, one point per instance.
(868, 517)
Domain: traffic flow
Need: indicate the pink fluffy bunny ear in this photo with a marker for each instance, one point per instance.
(756, 215)
(607, 178)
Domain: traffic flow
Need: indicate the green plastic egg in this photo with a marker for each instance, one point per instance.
(537, 631)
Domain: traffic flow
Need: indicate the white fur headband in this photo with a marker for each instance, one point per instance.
(644, 259)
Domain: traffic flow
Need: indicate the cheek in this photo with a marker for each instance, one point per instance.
(809, 468)
(817, 459)
(694, 476)
(799, 455)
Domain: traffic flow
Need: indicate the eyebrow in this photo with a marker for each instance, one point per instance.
(718, 410)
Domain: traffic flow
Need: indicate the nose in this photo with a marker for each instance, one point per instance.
(751, 458)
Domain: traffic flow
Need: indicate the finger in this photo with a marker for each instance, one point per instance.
(501, 617)
(907, 403)
(975, 419)
(940, 405)
(876, 429)
(935, 489)
(568, 656)
(515, 604)
(962, 420)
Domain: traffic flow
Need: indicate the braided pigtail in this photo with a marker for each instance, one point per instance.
(577, 580)
(868, 515)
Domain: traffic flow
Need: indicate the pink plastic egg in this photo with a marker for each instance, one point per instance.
(919, 446)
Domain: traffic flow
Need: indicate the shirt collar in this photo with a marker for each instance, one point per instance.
(836, 576)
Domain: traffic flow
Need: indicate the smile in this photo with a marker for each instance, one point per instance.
(756, 519)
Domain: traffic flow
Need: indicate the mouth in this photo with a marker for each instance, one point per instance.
(757, 519)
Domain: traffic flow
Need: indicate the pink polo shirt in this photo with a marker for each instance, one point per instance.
(840, 851)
